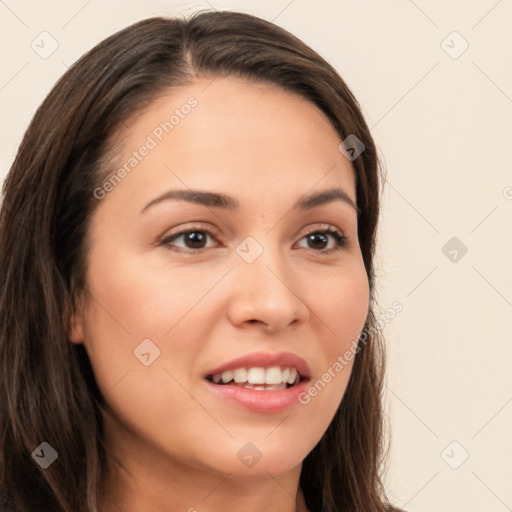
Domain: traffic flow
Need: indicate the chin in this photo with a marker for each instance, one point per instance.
(250, 460)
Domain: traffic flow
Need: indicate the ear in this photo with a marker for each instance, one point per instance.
(76, 325)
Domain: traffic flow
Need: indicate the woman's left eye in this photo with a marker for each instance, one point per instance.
(195, 238)
(322, 235)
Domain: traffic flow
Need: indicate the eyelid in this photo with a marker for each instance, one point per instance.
(192, 226)
(319, 226)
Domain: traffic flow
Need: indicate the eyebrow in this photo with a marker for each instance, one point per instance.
(218, 200)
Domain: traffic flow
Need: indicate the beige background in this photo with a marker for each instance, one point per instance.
(441, 117)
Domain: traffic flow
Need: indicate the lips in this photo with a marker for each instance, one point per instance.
(267, 398)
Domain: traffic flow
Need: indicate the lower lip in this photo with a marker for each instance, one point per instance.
(259, 400)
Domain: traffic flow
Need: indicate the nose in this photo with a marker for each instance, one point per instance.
(266, 291)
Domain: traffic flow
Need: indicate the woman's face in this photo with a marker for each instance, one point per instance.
(166, 311)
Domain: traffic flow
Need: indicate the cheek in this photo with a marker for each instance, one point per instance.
(139, 298)
(140, 315)
(342, 309)
(133, 300)
(342, 304)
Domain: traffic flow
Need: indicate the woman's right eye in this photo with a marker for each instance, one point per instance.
(193, 238)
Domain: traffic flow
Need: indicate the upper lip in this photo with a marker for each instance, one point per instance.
(265, 360)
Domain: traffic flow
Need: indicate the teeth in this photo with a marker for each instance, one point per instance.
(256, 376)
(240, 375)
(292, 376)
(227, 376)
(273, 375)
(259, 378)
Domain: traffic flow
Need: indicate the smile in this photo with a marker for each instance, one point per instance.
(258, 378)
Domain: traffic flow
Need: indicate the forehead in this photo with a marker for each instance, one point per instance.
(232, 135)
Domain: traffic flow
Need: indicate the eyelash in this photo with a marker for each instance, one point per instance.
(340, 239)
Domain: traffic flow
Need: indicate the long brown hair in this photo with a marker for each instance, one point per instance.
(47, 388)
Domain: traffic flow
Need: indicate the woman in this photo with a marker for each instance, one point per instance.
(187, 237)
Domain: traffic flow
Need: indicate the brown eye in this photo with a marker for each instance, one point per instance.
(318, 239)
(194, 239)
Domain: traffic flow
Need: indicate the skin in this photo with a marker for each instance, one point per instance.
(266, 147)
